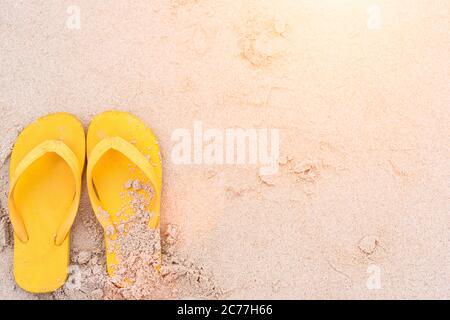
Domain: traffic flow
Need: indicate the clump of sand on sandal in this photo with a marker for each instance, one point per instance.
(138, 251)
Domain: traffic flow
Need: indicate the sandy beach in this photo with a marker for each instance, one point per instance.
(358, 91)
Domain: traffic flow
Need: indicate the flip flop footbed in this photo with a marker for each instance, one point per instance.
(126, 200)
(42, 196)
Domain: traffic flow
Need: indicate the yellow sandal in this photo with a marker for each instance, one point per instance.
(120, 149)
(45, 183)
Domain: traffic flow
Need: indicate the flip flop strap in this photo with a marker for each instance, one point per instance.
(62, 150)
(134, 155)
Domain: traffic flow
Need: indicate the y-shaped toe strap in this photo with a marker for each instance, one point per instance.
(62, 150)
(133, 154)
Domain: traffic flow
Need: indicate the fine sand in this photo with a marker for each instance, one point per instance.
(360, 205)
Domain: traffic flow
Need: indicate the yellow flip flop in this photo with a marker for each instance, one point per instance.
(121, 149)
(45, 183)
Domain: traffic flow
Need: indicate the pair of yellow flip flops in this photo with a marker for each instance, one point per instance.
(45, 184)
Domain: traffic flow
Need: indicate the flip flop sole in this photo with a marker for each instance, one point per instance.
(42, 195)
(114, 169)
